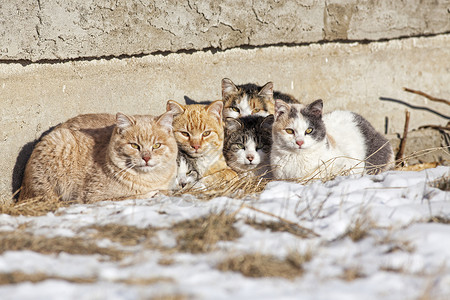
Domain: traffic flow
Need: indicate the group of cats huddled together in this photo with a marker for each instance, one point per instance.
(253, 130)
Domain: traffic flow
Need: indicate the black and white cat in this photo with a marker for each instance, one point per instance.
(247, 144)
(305, 142)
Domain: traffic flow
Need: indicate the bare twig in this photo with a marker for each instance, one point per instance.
(426, 95)
(403, 140)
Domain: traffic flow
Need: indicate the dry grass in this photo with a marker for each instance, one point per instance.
(33, 207)
(124, 234)
(439, 219)
(279, 226)
(18, 277)
(360, 228)
(19, 241)
(442, 183)
(241, 186)
(145, 281)
(353, 273)
(260, 265)
(200, 235)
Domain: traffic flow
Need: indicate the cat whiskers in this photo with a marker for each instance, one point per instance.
(121, 174)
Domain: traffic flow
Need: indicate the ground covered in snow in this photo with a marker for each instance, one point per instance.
(373, 237)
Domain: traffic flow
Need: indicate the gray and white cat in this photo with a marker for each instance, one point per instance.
(306, 142)
(247, 144)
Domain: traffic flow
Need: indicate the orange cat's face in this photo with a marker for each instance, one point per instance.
(143, 144)
(199, 128)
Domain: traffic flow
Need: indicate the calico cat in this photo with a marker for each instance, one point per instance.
(247, 144)
(305, 141)
(199, 134)
(250, 99)
(97, 157)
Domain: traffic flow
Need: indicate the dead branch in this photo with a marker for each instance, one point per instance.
(403, 139)
(426, 95)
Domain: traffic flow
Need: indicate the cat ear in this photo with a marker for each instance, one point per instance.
(166, 120)
(315, 108)
(267, 90)
(174, 107)
(215, 109)
(228, 87)
(123, 121)
(232, 124)
(281, 108)
(267, 122)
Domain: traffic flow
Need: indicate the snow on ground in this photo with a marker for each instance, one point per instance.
(398, 254)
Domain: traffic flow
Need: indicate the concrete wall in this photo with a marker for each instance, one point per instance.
(61, 59)
(58, 30)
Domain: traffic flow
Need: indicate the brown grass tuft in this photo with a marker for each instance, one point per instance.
(442, 183)
(241, 186)
(200, 235)
(260, 265)
(360, 228)
(439, 219)
(18, 277)
(124, 234)
(19, 241)
(351, 274)
(33, 207)
(145, 281)
(279, 226)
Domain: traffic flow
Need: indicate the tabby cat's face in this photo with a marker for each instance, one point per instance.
(248, 142)
(298, 127)
(142, 144)
(199, 129)
(246, 100)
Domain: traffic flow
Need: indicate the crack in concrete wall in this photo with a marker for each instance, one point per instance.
(54, 29)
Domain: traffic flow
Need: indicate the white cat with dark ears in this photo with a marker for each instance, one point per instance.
(306, 142)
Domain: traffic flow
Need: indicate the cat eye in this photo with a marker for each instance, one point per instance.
(240, 146)
(309, 130)
(135, 146)
(256, 110)
(156, 146)
(235, 109)
(206, 133)
(289, 130)
(186, 134)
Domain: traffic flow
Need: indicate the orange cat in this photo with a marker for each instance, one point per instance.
(199, 134)
(101, 156)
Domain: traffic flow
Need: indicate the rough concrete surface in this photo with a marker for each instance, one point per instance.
(35, 97)
(59, 30)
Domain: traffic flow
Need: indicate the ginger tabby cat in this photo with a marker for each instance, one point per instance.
(97, 157)
(199, 132)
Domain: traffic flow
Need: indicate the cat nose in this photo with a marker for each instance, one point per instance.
(196, 147)
(146, 158)
(299, 143)
(250, 157)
